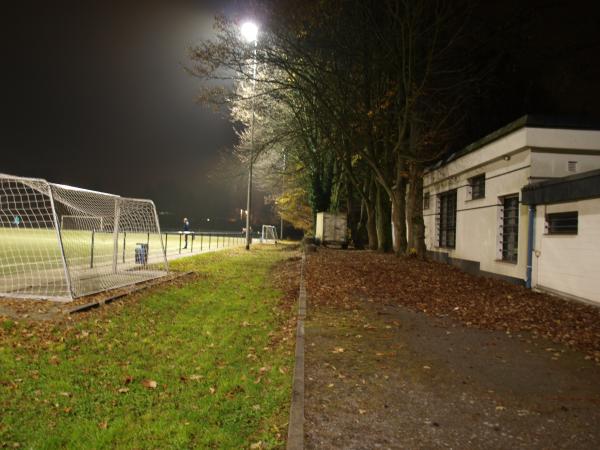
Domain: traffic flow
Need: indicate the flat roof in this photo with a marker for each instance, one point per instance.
(529, 120)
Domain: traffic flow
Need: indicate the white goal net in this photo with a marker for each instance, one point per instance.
(81, 222)
(62, 242)
(268, 234)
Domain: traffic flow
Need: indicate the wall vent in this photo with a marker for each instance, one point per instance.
(572, 166)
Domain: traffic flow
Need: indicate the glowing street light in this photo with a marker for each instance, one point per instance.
(249, 31)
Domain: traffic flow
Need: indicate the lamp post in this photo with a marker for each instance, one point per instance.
(249, 32)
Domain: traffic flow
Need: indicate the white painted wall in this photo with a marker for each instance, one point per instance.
(477, 220)
(569, 264)
(546, 164)
(509, 163)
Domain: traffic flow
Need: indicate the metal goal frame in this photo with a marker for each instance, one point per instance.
(40, 259)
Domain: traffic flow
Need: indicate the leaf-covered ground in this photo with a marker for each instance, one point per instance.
(409, 354)
(203, 363)
(338, 278)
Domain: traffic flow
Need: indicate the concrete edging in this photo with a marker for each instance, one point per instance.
(295, 439)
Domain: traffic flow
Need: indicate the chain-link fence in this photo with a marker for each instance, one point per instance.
(184, 243)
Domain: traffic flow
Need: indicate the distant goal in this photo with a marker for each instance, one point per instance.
(268, 234)
(82, 223)
(62, 242)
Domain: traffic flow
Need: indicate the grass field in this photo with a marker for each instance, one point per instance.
(192, 366)
(31, 262)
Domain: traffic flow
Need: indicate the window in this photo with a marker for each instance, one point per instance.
(426, 200)
(508, 248)
(447, 219)
(562, 223)
(476, 188)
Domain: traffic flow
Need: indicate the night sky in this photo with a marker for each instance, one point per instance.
(94, 94)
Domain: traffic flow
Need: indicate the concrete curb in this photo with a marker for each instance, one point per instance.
(295, 439)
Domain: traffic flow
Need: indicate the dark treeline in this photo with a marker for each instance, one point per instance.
(353, 99)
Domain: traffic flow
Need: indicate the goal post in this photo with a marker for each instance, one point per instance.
(268, 234)
(63, 242)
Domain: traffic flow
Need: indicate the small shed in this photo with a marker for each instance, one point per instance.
(331, 228)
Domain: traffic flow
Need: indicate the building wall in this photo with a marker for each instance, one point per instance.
(509, 163)
(569, 264)
(477, 231)
(554, 164)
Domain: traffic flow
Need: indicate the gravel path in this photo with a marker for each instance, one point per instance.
(380, 374)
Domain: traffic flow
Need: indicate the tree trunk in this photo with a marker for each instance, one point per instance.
(399, 217)
(370, 206)
(417, 224)
(371, 226)
(353, 217)
(382, 219)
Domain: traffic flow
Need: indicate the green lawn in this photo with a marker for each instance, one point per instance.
(221, 382)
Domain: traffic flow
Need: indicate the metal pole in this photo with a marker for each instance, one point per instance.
(124, 239)
(530, 245)
(60, 243)
(209, 236)
(92, 251)
(192, 247)
(166, 242)
(201, 239)
(116, 233)
(157, 224)
(249, 196)
(282, 192)
(180, 243)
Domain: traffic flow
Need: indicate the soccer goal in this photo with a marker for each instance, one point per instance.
(62, 242)
(268, 234)
(81, 222)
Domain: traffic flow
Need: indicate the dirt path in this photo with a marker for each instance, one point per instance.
(381, 375)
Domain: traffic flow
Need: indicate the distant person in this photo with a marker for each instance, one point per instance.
(17, 221)
(186, 230)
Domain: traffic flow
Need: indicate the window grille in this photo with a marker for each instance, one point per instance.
(476, 187)
(426, 200)
(447, 219)
(562, 223)
(509, 229)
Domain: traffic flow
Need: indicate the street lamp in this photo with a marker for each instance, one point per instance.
(249, 32)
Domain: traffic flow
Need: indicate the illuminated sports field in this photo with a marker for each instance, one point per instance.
(31, 261)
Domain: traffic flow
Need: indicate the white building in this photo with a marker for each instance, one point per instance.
(475, 216)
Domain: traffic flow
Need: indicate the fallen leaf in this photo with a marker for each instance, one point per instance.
(123, 390)
(149, 384)
(103, 425)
